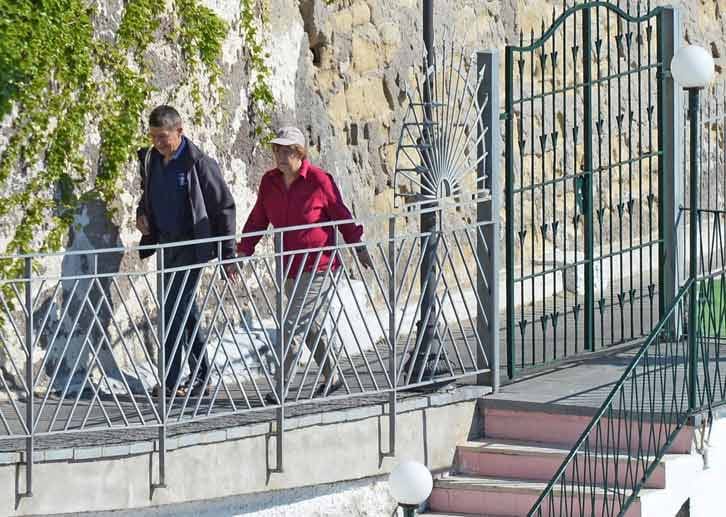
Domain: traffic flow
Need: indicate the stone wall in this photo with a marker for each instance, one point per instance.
(339, 72)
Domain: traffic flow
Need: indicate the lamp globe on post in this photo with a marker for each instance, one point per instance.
(693, 69)
(411, 485)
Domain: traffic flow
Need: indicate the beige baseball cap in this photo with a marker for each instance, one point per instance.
(289, 136)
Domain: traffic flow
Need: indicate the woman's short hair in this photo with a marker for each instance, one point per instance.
(299, 149)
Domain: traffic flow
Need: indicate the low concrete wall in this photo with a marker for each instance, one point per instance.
(318, 449)
(369, 497)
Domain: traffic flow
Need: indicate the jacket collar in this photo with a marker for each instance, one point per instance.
(189, 154)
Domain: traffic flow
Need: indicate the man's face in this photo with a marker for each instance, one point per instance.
(166, 140)
(287, 158)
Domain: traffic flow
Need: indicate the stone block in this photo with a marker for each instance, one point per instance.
(58, 454)
(366, 53)
(342, 21)
(366, 99)
(338, 110)
(141, 447)
(116, 450)
(87, 453)
(214, 436)
(360, 13)
(390, 35)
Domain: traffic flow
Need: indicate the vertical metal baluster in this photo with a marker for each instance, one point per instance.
(280, 309)
(392, 299)
(30, 408)
(677, 185)
(543, 185)
(564, 178)
(629, 204)
(600, 169)
(694, 219)
(522, 227)
(161, 364)
(639, 76)
(554, 316)
(577, 182)
(587, 183)
(532, 199)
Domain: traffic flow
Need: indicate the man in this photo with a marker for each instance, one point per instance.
(184, 197)
(292, 194)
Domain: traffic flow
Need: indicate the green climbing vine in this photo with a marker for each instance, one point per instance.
(262, 101)
(62, 82)
(59, 81)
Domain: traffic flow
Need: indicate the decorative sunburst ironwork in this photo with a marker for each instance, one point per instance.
(437, 147)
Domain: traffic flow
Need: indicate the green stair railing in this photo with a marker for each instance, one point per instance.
(631, 431)
(667, 381)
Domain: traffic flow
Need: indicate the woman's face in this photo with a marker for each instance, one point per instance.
(287, 158)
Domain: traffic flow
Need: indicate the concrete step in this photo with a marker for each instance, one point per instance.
(510, 497)
(513, 459)
(559, 425)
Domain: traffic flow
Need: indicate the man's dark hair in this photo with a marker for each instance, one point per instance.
(165, 117)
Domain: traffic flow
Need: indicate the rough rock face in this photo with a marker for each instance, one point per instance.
(338, 72)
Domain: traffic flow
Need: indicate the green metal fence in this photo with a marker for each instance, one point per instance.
(680, 370)
(588, 118)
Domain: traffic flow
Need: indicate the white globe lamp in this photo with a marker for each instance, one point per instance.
(693, 67)
(411, 485)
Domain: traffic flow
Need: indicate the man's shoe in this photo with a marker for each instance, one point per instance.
(334, 386)
(156, 392)
(199, 389)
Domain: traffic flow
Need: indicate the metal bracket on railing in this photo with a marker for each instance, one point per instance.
(392, 409)
(280, 310)
(161, 368)
(29, 409)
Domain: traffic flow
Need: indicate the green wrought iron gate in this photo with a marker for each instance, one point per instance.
(587, 116)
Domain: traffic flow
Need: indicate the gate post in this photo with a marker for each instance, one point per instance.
(487, 248)
(670, 182)
(508, 204)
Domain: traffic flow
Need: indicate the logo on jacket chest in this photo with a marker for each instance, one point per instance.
(181, 180)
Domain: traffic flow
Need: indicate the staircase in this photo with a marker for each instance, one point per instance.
(504, 473)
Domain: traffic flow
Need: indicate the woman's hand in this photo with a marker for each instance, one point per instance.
(364, 257)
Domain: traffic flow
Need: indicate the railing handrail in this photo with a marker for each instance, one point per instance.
(611, 396)
(411, 210)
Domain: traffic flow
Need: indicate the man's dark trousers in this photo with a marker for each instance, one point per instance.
(178, 324)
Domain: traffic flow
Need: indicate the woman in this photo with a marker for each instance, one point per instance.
(297, 193)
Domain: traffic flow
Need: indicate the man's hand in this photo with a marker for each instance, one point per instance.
(142, 224)
(232, 273)
(364, 257)
(232, 270)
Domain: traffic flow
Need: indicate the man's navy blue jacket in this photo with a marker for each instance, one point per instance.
(212, 205)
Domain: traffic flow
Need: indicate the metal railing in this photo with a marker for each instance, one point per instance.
(650, 404)
(84, 332)
(677, 371)
(632, 429)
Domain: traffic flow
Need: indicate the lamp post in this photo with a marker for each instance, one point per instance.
(426, 325)
(411, 485)
(693, 68)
